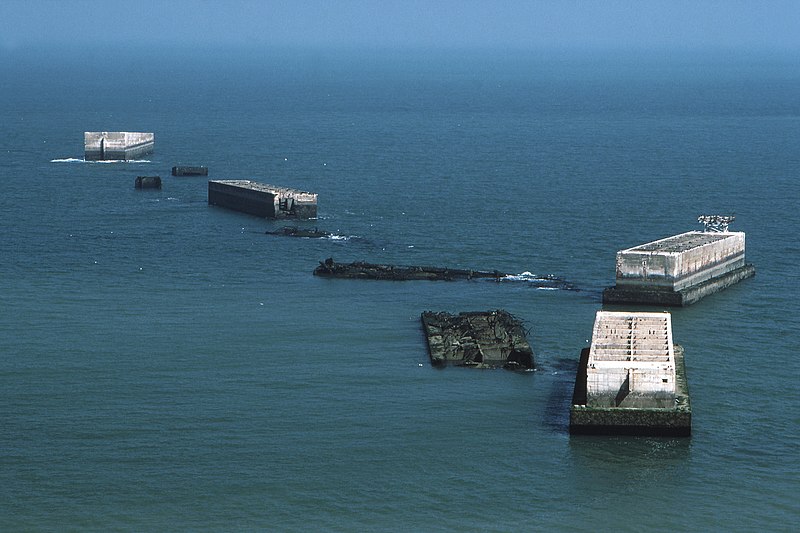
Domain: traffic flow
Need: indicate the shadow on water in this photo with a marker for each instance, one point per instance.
(606, 453)
(556, 411)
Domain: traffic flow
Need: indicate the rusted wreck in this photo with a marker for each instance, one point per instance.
(484, 339)
(362, 270)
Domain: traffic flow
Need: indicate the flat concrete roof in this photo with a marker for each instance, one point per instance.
(263, 187)
(681, 243)
(632, 340)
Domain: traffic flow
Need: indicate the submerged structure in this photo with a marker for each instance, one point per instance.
(190, 171)
(305, 233)
(147, 182)
(632, 379)
(487, 339)
(362, 270)
(262, 200)
(681, 269)
(116, 145)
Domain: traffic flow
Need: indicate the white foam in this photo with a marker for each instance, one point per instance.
(76, 160)
(120, 161)
(525, 276)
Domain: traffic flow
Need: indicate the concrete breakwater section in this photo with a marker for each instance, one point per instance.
(362, 270)
(147, 182)
(190, 171)
(116, 145)
(490, 339)
(632, 379)
(679, 270)
(262, 200)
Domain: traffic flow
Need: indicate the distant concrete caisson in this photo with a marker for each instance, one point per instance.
(116, 145)
(262, 200)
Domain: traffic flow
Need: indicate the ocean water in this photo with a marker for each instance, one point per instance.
(166, 365)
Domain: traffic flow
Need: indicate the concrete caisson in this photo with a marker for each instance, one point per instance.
(632, 379)
(679, 270)
(147, 182)
(262, 200)
(116, 145)
(190, 171)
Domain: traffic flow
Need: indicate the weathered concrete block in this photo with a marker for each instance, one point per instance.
(262, 200)
(632, 379)
(116, 145)
(148, 182)
(679, 270)
(190, 171)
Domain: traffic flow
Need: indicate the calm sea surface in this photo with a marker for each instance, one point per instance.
(165, 365)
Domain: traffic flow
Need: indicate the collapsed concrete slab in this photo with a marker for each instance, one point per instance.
(262, 200)
(632, 379)
(116, 145)
(362, 270)
(486, 339)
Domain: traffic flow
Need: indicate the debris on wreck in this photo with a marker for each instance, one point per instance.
(294, 231)
(362, 270)
(483, 339)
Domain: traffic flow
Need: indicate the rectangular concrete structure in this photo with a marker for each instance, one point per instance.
(679, 270)
(190, 171)
(262, 200)
(632, 379)
(116, 145)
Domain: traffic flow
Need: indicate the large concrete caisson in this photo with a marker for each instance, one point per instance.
(679, 270)
(632, 379)
(116, 145)
(262, 200)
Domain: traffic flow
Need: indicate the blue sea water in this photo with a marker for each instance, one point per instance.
(165, 365)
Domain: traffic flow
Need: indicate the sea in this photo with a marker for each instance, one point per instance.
(167, 365)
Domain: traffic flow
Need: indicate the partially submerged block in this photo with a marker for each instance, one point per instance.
(362, 270)
(148, 182)
(487, 339)
(261, 199)
(190, 171)
(632, 379)
(679, 270)
(116, 145)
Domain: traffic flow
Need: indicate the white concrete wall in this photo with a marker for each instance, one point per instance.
(678, 270)
(116, 144)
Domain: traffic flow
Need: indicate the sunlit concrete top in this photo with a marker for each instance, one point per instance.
(631, 353)
(680, 243)
(630, 339)
(263, 187)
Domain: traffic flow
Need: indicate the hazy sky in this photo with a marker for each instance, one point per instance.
(755, 25)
